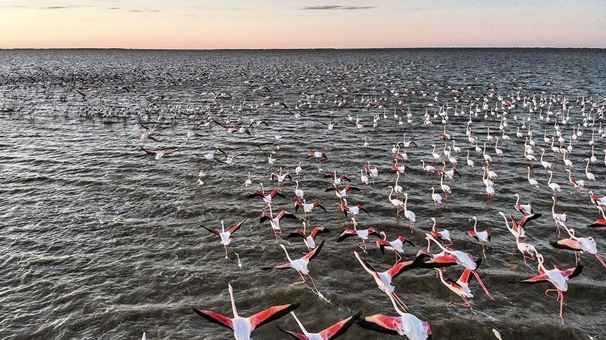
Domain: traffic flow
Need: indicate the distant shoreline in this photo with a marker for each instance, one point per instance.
(299, 49)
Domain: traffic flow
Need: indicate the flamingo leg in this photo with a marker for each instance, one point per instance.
(225, 252)
(482, 283)
(483, 249)
(400, 303)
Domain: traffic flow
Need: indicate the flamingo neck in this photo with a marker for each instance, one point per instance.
(233, 301)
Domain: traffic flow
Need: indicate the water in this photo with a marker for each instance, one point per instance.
(101, 241)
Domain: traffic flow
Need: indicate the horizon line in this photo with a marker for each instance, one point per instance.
(298, 48)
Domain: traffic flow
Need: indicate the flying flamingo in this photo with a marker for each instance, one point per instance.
(515, 229)
(384, 279)
(317, 154)
(341, 192)
(300, 265)
(275, 221)
(579, 244)
(397, 245)
(310, 238)
(308, 207)
(243, 327)
(266, 198)
(443, 235)
(157, 155)
(352, 210)
(482, 236)
(557, 277)
(361, 234)
(404, 324)
(459, 287)
(224, 235)
(330, 333)
(280, 176)
(459, 257)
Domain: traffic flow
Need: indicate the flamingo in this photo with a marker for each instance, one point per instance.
(404, 324)
(157, 155)
(317, 154)
(545, 164)
(590, 176)
(600, 222)
(482, 236)
(298, 170)
(557, 277)
(363, 178)
(372, 172)
(579, 244)
(341, 193)
(298, 192)
(528, 250)
(533, 182)
(409, 214)
(459, 287)
(352, 210)
(596, 199)
(397, 245)
(337, 180)
(459, 257)
(470, 163)
(244, 326)
(275, 221)
(248, 181)
(361, 234)
(437, 198)
(330, 333)
(280, 176)
(555, 187)
(445, 188)
(559, 219)
(384, 279)
(525, 209)
(224, 235)
(266, 198)
(577, 183)
(396, 202)
(309, 240)
(308, 207)
(443, 235)
(300, 265)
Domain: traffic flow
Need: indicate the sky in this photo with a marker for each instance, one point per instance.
(265, 24)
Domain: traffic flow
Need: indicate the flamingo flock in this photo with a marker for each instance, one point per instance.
(410, 192)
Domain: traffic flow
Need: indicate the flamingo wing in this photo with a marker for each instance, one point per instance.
(568, 243)
(400, 267)
(212, 230)
(382, 323)
(346, 233)
(465, 276)
(536, 279)
(318, 230)
(297, 233)
(338, 328)
(310, 256)
(598, 223)
(213, 317)
(572, 272)
(295, 335)
(270, 314)
(235, 227)
(528, 218)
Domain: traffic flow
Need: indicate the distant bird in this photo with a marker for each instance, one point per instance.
(330, 333)
(157, 155)
(266, 198)
(317, 154)
(243, 327)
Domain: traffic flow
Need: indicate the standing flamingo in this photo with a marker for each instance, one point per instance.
(409, 214)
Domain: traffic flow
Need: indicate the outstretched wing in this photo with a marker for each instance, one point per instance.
(213, 317)
(310, 256)
(382, 323)
(270, 314)
(339, 328)
(401, 267)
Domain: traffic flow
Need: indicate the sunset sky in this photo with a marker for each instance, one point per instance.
(218, 24)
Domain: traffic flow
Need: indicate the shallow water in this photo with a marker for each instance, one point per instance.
(101, 241)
